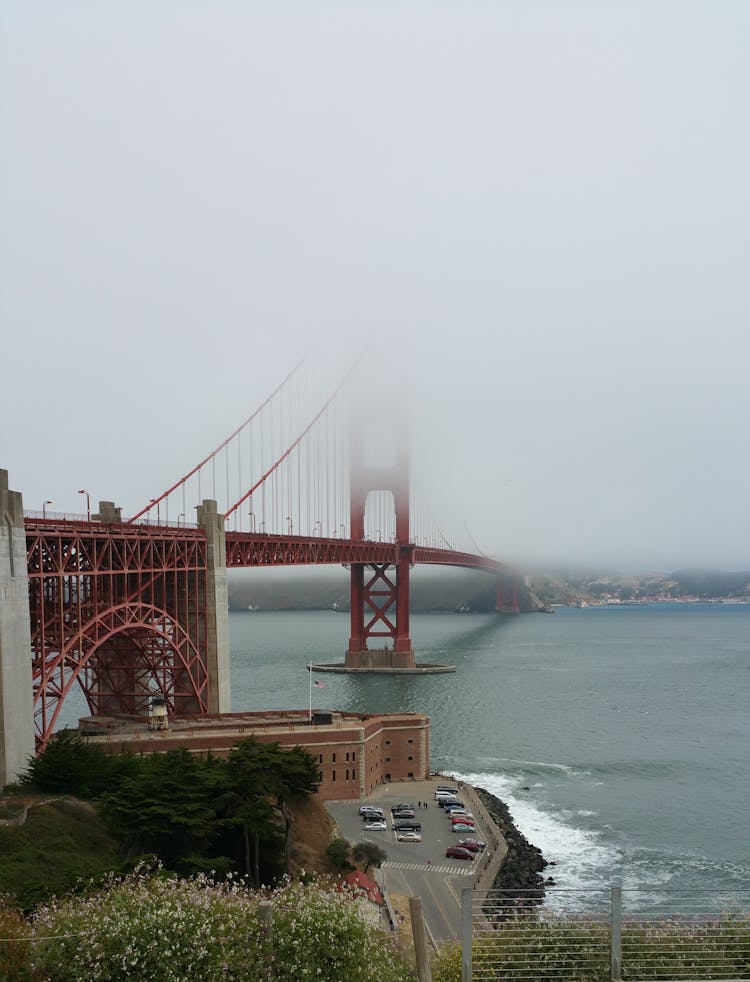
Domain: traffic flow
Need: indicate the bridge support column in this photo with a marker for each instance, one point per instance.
(507, 595)
(380, 592)
(380, 609)
(217, 610)
(16, 696)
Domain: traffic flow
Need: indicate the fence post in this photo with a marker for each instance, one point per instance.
(265, 912)
(424, 974)
(615, 933)
(466, 900)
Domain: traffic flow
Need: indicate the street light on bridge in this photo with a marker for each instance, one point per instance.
(290, 524)
(252, 520)
(44, 507)
(153, 501)
(88, 504)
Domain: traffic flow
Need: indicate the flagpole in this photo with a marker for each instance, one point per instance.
(309, 711)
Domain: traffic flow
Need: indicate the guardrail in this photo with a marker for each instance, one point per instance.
(612, 935)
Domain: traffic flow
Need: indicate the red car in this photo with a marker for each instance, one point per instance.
(463, 820)
(458, 852)
(471, 844)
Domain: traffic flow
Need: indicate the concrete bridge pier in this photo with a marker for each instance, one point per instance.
(16, 699)
(217, 609)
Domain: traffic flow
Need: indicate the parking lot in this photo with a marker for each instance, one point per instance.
(416, 868)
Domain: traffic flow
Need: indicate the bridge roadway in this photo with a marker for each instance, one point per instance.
(419, 869)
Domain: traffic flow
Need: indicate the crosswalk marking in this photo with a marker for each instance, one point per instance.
(458, 870)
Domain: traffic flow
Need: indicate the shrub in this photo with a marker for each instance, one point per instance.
(338, 852)
(15, 965)
(570, 948)
(161, 927)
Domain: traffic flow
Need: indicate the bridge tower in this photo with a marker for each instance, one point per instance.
(380, 591)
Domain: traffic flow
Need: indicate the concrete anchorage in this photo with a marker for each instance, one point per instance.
(217, 609)
(16, 698)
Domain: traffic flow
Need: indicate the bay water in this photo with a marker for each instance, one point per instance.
(618, 736)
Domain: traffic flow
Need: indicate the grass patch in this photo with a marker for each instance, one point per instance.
(58, 845)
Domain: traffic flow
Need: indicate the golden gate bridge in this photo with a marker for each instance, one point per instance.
(131, 607)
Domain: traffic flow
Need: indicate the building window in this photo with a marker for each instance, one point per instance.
(387, 760)
(410, 774)
(410, 757)
(320, 758)
(387, 777)
(333, 758)
(354, 754)
(354, 773)
(333, 775)
(410, 741)
(347, 755)
(387, 743)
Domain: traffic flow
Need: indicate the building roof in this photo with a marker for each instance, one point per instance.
(362, 884)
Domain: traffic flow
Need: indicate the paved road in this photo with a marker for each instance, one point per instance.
(418, 869)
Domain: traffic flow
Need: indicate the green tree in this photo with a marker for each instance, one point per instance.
(298, 775)
(167, 808)
(338, 852)
(70, 765)
(247, 788)
(369, 853)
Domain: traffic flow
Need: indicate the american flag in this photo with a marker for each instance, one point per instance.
(319, 685)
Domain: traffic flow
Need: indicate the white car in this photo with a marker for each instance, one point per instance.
(408, 837)
(375, 827)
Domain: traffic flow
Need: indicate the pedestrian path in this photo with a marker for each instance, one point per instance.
(456, 870)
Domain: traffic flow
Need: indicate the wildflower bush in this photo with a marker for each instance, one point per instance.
(320, 934)
(163, 928)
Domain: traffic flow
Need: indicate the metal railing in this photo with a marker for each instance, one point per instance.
(606, 935)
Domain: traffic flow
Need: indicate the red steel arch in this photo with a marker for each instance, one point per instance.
(119, 610)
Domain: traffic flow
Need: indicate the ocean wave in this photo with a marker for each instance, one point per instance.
(583, 860)
(531, 766)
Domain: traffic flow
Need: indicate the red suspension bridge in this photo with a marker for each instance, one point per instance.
(131, 607)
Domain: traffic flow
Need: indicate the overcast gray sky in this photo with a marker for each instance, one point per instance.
(536, 212)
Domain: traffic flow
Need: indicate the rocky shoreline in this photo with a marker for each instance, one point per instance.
(521, 872)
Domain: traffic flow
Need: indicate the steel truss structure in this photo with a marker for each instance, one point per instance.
(119, 610)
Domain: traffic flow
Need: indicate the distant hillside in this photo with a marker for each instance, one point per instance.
(321, 589)
(569, 585)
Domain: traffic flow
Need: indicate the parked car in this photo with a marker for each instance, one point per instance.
(445, 802)
(467, 818)
(372, 815)
(408, 837)
(404, 813)
(445, 789)
(370, 808)
(407, 826)
(375, 827)
(402, 804)
(458, 852)
(456, 810)
(471, 844)
(461, 827)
